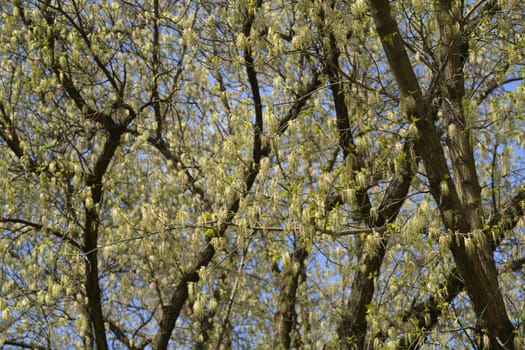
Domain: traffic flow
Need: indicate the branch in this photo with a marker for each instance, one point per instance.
(507, 218)
(289, 280)
(256, 95)
(224, 321)
(514, 265)
(171, 310)
(426, 314)
(25, 345)
(79, 27)
(428, 144)
(66, 81)
(394, 48)
(92, 220)
(476, 267)
(304, 94)
(453, 285)
(9, 135)
(121, 336)
(493, 85)
(346, 141)
(486, 7)
(163, 147)
(351, 232)
(40, 227)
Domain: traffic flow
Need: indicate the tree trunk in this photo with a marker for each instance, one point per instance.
(459, 198)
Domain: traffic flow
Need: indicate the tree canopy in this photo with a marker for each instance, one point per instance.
(261, 174)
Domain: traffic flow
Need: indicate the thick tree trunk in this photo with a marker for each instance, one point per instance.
(459, 198)
(473, 253)
(506, 220)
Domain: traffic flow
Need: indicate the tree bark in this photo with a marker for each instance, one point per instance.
(289, 280)
(261, 150)
(352, 326)
(460, 210)
(473, 254)
(93, 291)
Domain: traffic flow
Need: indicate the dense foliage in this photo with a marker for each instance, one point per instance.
(261, 174)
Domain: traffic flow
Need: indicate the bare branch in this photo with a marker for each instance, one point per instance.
(40, 227)
(23, 345)
(351, 232)
(121, 336)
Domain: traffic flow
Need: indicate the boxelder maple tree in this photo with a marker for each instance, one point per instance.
(258, 174)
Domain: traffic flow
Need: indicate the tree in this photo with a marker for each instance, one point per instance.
(255, 174)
